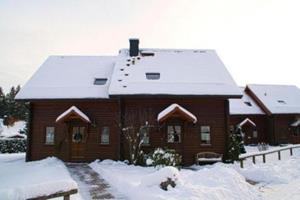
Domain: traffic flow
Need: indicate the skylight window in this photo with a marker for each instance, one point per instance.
(153, 75)
(100, 81)
(248, 103)
(281, 101)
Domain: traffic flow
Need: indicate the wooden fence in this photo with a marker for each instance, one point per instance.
(65, 194)
(263, 154)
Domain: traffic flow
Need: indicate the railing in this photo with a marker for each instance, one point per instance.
(65, 194)
(263, 154)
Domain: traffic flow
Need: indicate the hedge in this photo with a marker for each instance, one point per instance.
(12, 145)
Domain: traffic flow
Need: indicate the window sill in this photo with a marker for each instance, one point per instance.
(206, 145)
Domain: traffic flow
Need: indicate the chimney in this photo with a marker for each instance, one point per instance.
(134, 47)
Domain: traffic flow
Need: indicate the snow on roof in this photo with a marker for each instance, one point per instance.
(296, 123)
(181, 72)
(278, 99)
(69, 77)
(244, 106)
(73, 109)
(247, 120)
(173, 107)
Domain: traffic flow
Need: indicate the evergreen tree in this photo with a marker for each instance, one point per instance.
(236, 144)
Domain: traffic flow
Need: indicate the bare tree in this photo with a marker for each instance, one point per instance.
(136, 126)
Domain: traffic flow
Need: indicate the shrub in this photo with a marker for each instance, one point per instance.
(163, 157)
(236, 145)
(12, 145)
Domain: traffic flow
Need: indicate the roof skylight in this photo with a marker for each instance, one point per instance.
(100, 81)
(248, 103)
(153, 75)
(281, 101)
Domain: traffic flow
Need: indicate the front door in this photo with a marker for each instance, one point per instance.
(175, 135)
(78, 137)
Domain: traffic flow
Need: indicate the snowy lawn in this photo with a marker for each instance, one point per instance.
(213, 182)
(21, 180)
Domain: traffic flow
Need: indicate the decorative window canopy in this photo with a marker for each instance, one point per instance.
(296, 123)
(176, 110)
(245, 121)
(73, 113)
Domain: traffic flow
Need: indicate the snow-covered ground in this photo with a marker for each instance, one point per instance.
(275, 179)
(21, 180)
(12, 131)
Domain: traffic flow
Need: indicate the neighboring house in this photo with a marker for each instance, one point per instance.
(77, 102)
(281, 103)
(246, 114)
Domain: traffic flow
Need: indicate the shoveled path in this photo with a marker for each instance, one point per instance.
(91, 185)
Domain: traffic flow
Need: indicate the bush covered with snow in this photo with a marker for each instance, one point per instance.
(12, 145)
(165, 177)
(163, 157)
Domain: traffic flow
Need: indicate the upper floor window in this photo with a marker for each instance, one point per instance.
(105, 135)
(205, 135)
(50, 135)
(174, 133)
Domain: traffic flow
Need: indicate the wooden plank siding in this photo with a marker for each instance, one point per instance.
(209, 111)
(282, 131)
(101, 113)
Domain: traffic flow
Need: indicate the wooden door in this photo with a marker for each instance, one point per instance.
(78, 136)
(175, 135)
(250, 134)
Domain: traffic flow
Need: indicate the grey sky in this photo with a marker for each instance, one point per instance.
(258, 40)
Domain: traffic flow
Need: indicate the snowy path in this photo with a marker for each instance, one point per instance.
(91, 185)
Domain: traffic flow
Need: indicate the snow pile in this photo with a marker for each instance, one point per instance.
(154, 179)
(214, 183)
(12, 131)
(20, 180)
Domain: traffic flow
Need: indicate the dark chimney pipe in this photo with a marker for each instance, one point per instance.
(134, 47)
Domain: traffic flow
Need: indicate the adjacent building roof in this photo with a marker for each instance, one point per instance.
(69, 77)
(244, 106)
(172, 72)
(277, 99)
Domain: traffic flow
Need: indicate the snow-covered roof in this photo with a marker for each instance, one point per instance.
(71, 110)
(172, 108)
(296, 123)
(278, 99)
(69, 77)
(247, 120)
(179, 72)
(244, 106)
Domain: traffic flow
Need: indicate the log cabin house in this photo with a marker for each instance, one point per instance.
(76, 103)
(267, 113)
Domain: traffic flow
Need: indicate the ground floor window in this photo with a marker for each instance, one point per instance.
(205, 135)
(105, 135)
(255, 134)
(144, 135)
(50, 135)
(297, 131)
(174, 133)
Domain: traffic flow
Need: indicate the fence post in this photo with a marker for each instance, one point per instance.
(279, 155)
(291, 151)
(264, 158)
(241, 163)
(253, 159)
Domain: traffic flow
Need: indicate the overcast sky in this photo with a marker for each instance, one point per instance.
(258, 40)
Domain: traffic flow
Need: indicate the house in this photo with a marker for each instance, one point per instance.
(250, 117)
(77, 103)
(281, 103)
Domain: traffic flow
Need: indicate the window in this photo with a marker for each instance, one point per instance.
(153, 75)
(50, 132)
(78, 134)
(248, 103)
(145, 137)
(297, 131)
(105, 135)
(174, 134)
(100, 81)
(255, 134)
(205, 135)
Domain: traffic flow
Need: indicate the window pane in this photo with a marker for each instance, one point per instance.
(105, 135)
(49, 135)
(174, 134)
(205, 134)
(144, 136)
(255, 134)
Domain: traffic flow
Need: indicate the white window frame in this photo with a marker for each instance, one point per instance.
(204, 134)
(102, 136)
(50, 140)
